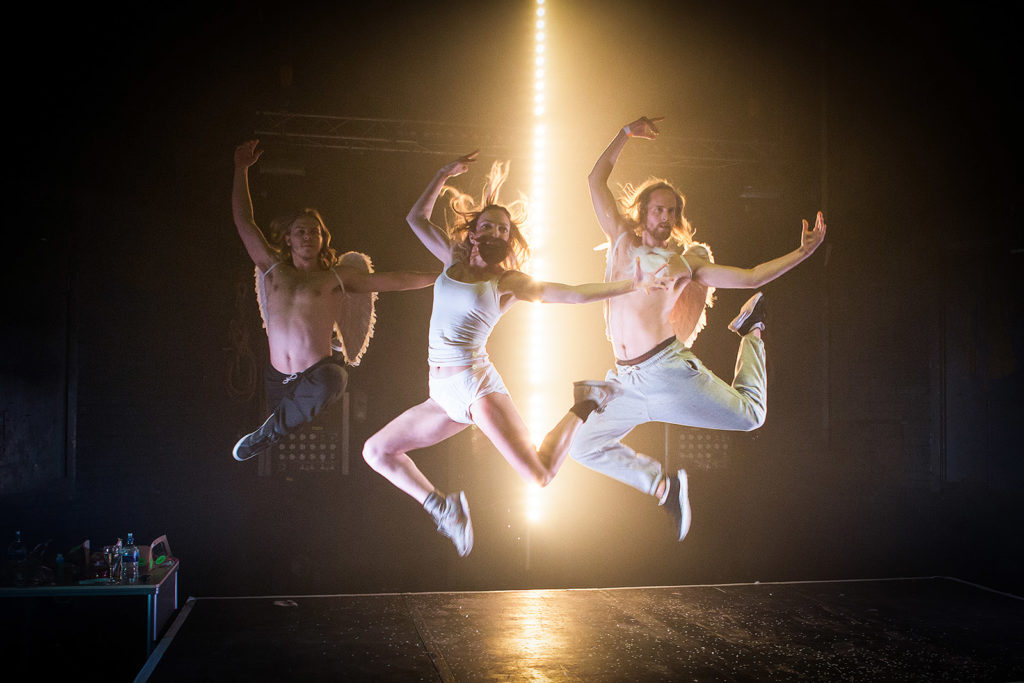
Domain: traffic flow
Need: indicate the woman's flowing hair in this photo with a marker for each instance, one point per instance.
(465, 212)
(279, 227)
(634, 202)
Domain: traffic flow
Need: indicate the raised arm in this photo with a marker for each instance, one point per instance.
(729, 277)
(605, 206)
(255, 243)
(395, 281)
(432, 236)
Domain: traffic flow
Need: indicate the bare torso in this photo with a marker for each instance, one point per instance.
(301, 309)
(638, 321)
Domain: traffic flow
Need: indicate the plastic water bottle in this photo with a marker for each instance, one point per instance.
(130, 561)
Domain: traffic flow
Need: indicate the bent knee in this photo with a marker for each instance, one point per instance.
(754, 420)
(338, 380)
(542, 479)
(374, 453)
(333, 378)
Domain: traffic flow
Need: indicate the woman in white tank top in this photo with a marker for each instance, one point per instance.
(481, 254)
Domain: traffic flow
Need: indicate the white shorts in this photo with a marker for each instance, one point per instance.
(460, 391)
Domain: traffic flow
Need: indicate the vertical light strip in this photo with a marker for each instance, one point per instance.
(538, 355)
(537, 359)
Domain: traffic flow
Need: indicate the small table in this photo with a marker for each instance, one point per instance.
(160, 591)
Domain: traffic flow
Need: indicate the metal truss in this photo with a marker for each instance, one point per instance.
(449, 140)
(384, 135)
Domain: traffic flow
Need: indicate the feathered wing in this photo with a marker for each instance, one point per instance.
(689, 314)
(261, 290)
(354, 328)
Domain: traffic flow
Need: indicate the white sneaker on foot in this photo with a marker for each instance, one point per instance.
(454, 522)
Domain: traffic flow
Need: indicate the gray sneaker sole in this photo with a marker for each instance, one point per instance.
(468, 535)
(745, 311)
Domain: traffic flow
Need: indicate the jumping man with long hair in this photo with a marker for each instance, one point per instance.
(661, 378)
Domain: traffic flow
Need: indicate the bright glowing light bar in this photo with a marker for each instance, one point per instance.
(538, 408)
(537, 370)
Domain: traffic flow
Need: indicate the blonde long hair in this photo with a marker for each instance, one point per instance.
(634, 203)
(279, 227)
(465, 212)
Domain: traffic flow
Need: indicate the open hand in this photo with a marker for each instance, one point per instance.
(811, 238)
(650, 281)
(246, 154)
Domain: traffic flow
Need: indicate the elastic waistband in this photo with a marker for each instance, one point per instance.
(275, 375)
(647, 356)
(474, 358)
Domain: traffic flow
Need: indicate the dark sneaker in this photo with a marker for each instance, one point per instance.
(677, 503)
(751, 316)
(254, 443)
(599, 392)
(453, 521)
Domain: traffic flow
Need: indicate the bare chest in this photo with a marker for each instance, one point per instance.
(642, 308)
(294, 287)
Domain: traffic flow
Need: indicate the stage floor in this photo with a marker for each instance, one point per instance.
(913, 629)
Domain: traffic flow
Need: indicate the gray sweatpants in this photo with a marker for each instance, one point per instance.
(297, 399)
(672, 386)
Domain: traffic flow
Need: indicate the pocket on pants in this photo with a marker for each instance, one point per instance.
(687, 363)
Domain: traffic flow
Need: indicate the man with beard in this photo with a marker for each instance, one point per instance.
(481, 254)
(661, 379)
(313, 302)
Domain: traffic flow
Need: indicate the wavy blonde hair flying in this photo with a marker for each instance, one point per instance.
(634, 203)
(464, 212)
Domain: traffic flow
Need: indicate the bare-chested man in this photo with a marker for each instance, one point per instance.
(306, 295)
(651, 334)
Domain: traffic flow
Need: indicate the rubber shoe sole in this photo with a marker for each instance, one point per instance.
(461, 535)
(751, 313)
(677, 505)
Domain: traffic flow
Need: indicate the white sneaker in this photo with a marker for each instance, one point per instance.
(454, 522)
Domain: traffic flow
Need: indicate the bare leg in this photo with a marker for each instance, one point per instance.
(499, 420)
(386, 451)
(554, 449)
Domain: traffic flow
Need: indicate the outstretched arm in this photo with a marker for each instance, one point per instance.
(395, 281)
(526, 288)
(432, 236)
(255, 243)
(612, 222)
(728, 277)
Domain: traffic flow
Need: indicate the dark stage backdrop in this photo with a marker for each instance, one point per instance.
(133, 350)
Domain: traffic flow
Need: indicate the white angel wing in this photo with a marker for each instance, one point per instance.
(354, 327)
(689, 314)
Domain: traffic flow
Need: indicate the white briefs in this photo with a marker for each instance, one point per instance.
(457, 393)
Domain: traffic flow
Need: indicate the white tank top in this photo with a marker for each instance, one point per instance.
(463, 316)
